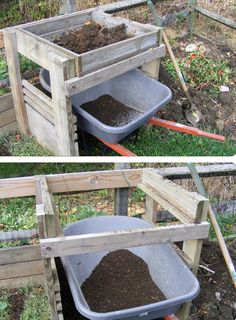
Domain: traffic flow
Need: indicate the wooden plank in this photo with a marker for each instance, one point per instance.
(223, 20)
(57, 23)
(79, 84)
(71, 182)
(211, 170)
(184, 205)
(21, 282)
(45, 111)
(7, 117)
(11, 127)
(20, 254)
(2, 45)
(21, 269)
(42, 129)
(61, 70)
(33, 49)
(15, 79)
(63, 246)
(121, 5)
(52, 47)
(6, 102)
(38, 93)
(178, 209)
(103, 56)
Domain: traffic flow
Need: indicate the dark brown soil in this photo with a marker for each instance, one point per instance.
(218, 113)
(207, 306)
(16, 301)
(120, 281)
(110, 111)
(4, 151)
(91, 36)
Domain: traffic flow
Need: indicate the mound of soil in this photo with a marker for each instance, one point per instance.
(91, 36)
(120, 281)
(110, 111)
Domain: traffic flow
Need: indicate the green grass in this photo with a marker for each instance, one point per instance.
(23, 145)
(151, 142)
(36, 306)
(11, 170)
(163, 142)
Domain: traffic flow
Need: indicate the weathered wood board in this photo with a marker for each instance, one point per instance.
(7, 114)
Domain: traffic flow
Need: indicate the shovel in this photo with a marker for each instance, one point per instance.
(192, 113)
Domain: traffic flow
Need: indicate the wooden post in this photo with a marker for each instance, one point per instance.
(192, 249)
(48, 226)
(65, 122)
(152, 68)
(150, 209)
(121, 196)
(192, 17)
(15, 79)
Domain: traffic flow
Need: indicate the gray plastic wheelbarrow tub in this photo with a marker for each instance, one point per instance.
(133, 89)
(166, 268)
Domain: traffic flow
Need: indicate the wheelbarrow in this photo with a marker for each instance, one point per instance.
(144, 95)
(166, 268)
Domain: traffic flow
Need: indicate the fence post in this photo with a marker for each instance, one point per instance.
(121, 196)
(192, 17)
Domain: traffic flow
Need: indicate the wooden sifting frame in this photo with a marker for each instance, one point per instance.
(50, 119)
(190, 208)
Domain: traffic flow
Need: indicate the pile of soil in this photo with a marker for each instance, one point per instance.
(91, 36)
(110, 111)
(120, 281)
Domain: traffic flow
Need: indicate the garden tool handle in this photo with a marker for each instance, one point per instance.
(177, 69)
(221, 241)
(170, 51)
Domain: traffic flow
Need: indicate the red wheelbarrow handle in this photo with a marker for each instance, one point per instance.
(119, 149)
(170, 317)
(185, 129)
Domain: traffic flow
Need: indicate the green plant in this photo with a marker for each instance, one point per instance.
(227, 224)
(138, 195)
(4, 306)
(17, 214)
(201, 71)
(36, 305)
(180, 17)
(3, 69)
